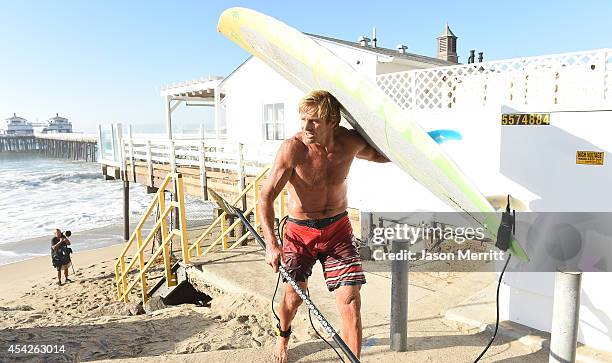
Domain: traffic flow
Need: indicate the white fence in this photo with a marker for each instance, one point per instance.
(572, 81)
(243, 159)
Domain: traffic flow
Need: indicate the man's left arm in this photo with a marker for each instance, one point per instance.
(367, 152)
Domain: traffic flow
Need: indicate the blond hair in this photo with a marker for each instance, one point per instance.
(324, 103)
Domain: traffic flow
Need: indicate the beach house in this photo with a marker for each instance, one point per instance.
(254, 104)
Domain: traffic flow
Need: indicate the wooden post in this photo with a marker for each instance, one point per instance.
(172, 156)
(121, 149)
(224, 238)
(126, 210)
(170, 281)
(114, 141)
(132, 160)
(217, 109)
(181, 212)
(124, 280)
(141, 263)
(150, 165)
(202, 156)
(240, 166)
(101, 156)
(173, 169)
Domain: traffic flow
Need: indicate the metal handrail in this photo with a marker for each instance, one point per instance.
(221, 219)
(122, 271)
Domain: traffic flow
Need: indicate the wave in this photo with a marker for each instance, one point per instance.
(42, 179)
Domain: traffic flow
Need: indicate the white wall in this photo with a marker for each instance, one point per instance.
(535, 164)
(247, 90)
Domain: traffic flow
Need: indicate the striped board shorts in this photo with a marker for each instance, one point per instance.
(305, 242)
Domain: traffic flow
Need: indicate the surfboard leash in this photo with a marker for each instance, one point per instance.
(280, 228)
(506, 230)
(231, 210)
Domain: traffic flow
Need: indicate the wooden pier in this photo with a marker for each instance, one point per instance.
(65, 146)
(18, 143)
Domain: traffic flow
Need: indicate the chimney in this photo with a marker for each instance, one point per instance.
(401, 48)
(480, 57)
(447, 46)
(374, 37)
(364, 41)
(471, 58)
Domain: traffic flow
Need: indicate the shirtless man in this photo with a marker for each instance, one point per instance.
(315, 163)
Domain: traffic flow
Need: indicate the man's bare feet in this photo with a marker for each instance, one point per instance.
(280, 350)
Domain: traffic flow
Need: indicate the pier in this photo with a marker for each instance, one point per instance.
(65, 146)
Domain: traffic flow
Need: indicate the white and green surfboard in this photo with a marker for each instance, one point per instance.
(309, 66)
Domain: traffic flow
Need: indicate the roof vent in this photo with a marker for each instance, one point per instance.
(401, 48)
(374, 37)
(364, 41)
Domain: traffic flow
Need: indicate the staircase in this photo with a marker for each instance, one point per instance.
(134, 267)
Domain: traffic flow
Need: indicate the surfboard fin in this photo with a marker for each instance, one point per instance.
(441, 136)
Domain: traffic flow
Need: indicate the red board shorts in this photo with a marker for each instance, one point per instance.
(332, 245)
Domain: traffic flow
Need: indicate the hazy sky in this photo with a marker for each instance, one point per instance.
(105, 61)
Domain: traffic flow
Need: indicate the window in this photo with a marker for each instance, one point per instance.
(274, 121)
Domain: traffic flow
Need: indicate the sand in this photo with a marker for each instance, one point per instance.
(84, 316)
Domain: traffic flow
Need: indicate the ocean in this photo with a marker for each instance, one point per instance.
(39, 194)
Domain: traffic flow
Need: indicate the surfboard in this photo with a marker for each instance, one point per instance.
(391, 130)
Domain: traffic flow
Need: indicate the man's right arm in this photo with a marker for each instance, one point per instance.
(280, 173)
(56, 246)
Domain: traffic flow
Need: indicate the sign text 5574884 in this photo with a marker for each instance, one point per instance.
(525, 119)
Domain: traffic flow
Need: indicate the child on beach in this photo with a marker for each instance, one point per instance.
(60, 255)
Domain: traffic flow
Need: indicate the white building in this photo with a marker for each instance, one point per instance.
(16, 126)
(57, 124)
(255, 105)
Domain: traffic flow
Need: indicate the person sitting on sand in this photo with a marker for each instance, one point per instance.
(314, 164)
(60, 255)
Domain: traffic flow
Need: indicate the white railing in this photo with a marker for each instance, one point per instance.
(69, 136)
(563, 81)
(202, 153)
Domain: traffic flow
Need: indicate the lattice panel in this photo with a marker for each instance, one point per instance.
(571, 79)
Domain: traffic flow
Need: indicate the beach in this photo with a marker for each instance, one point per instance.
(85, 317)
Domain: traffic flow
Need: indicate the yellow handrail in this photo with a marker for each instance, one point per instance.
(220, 220)
(122, 271)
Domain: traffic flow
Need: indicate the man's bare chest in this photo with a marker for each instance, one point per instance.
(323, 170)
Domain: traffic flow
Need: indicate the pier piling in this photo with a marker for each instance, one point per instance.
(65, 146)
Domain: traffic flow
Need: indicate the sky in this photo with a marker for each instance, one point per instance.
(98, 62)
